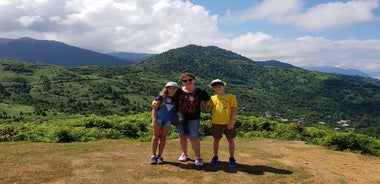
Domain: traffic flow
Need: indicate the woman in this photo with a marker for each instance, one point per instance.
(190, 128)
(161, 120)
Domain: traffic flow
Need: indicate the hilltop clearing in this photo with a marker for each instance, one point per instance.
(125, 161)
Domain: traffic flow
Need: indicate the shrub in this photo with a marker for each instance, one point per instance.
(352, 142)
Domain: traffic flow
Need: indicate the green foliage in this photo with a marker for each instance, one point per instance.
(138, 127)
(48, 93)
(353, 142)
(79, 129)
(251, 127)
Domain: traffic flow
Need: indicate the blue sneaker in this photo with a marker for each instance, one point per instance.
(232, 162)
(214, 160)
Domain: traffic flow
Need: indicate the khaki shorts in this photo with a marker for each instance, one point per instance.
(218, 130)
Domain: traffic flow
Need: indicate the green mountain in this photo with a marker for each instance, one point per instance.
(53, 52)
(32, 92)
(283, 92)
(278, 64)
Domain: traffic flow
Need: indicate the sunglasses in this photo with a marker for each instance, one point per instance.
(188, 80)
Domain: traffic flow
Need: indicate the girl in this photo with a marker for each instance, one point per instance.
(161, 120)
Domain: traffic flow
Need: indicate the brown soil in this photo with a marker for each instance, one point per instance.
(124, 161)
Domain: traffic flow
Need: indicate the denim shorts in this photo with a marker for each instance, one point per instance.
(189, 128)
(163, 123)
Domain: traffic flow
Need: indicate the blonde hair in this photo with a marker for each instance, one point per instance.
(164, 91)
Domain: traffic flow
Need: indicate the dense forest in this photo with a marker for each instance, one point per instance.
(45, 93)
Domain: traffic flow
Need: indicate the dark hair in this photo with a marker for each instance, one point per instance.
(186, 75)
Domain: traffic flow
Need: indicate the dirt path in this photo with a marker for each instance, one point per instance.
(122, 161)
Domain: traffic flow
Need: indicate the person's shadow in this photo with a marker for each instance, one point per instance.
(223, 166)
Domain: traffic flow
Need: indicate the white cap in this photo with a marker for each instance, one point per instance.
(169, 84)
(217, 81)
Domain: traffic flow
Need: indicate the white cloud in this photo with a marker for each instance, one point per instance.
(26, 21)
(108, 25)
(321, 17)
(337, 14)
(310, 51)
(268, 9)
(154, 26)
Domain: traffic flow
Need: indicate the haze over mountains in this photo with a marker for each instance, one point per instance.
(331, 69)
(58, 53)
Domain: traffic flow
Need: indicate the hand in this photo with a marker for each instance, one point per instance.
(155, 123)
(155, 104)
(230, 126)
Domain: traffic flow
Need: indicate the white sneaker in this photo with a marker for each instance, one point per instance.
(160, 160)
(183, 157)
(199, 162)
(153, 160)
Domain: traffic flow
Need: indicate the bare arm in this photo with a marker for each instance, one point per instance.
(155, 105)
(207, 108)
(233, 117)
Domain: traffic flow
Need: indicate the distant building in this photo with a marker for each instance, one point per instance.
(268, 115)
(343, 123)
(284, 120)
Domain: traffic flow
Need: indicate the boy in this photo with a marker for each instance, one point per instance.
(224, 109)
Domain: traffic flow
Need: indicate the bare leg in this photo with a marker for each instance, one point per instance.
(195, 143)
(183, 143)
(164, 133)
(231, 145)
(216, 146)
(155, 138)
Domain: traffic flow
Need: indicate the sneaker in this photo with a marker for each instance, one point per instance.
(160, 160)
(153, 160)
(232, 162)
(214, 160)
(199, 162)
(183, 157)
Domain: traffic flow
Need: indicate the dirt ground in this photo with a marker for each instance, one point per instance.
(124, 161)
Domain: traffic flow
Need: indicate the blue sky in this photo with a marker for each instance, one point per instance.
(300, 32)
(360, 29)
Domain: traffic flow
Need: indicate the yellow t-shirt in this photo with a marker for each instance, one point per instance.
(221, 111)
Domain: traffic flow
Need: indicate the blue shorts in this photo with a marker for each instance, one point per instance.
(163, 123)
(189, 128)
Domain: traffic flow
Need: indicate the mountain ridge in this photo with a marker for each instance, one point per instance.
(58, 53)
(337, 70)
(53, 52)
(131, 56)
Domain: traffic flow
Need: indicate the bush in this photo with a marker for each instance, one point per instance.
(353, 142)
(138, 127)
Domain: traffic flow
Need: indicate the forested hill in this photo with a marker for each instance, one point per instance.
(283, 92)
(44, 92)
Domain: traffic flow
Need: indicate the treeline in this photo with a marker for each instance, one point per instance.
(138, 127)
